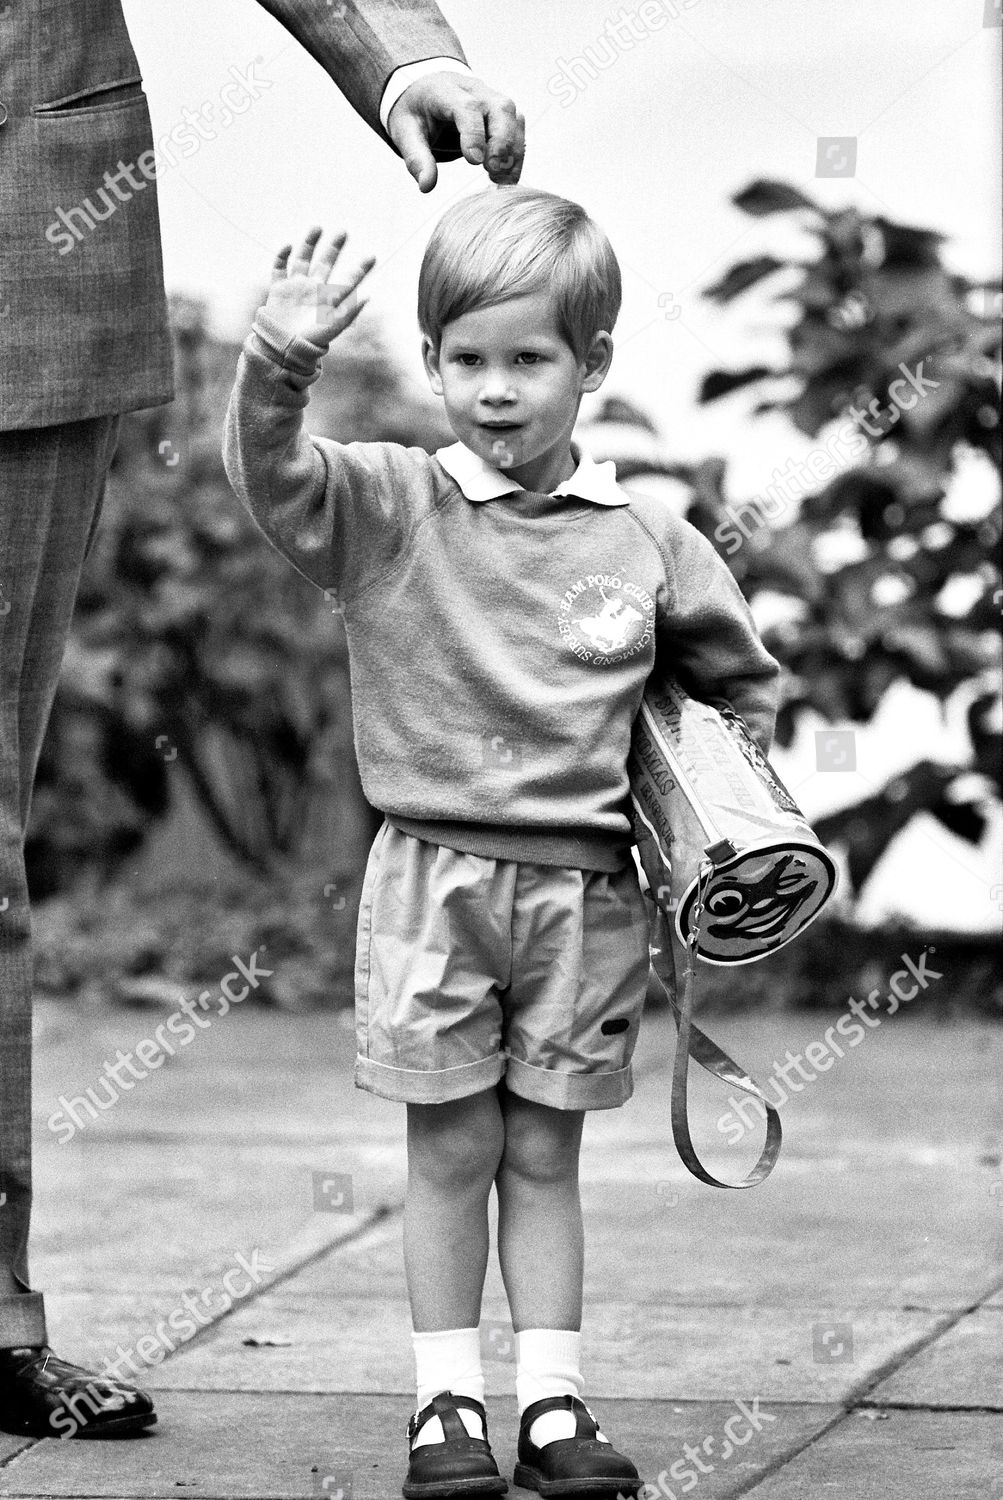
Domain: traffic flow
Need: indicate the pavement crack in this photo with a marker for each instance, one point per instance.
(370, 1221)
(897, 1361)
(855, 1400)
(961, 1406)
(12, 1458)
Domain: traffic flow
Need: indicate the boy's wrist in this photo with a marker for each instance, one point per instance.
(292, 351)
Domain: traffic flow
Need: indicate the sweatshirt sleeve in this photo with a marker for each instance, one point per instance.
(339, 512)
(708, 638)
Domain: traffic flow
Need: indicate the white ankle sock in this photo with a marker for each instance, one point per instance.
(448, 1359)
(547, 1363)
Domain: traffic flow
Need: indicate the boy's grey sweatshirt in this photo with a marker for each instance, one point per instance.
(498, 648)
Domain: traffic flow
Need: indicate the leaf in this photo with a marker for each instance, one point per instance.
(819, 348)
(743, 274)
(817, 290)
(861, 493)
(722, 382)
(962, 818)
(868, 827)
(986, 737)
(913, 300)
(786, 565)
(921, 651)
(766, 195)
(907, 245)
(822, 399)
(619, 409)
(787, 722)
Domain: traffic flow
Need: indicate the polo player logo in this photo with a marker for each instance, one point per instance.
(608, 630)
(605, 618)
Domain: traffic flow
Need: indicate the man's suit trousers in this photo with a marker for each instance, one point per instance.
(51, 491)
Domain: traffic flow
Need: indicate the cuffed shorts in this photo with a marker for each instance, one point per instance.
(469, 970)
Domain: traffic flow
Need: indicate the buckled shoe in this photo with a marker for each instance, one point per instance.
(579, 1465)
(461, 1465)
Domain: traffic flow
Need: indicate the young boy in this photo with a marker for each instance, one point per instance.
(503, 602)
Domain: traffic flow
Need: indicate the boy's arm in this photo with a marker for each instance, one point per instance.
(709, 639)
(338, 512)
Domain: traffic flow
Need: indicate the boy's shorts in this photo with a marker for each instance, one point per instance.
(469, 970)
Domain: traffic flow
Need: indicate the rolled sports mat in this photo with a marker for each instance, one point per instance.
(733, 868)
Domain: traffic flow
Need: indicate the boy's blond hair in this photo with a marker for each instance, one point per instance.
(508, 241)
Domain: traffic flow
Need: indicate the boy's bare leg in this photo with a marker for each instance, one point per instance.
(540, 1238)
(453, 1151)
(541, 1252)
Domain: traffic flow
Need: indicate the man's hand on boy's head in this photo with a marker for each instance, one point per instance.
(491, 129)
(301, 296)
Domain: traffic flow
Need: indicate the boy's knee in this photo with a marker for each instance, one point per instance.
(542, 1144)
(459, 1142)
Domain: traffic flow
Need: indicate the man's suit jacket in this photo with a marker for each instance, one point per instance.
(83, 315)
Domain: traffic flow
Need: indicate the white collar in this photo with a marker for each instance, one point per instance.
(480, 480)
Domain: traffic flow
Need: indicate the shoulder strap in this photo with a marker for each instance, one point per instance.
(692, 1042)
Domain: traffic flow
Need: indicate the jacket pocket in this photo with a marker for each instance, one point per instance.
(100, 98)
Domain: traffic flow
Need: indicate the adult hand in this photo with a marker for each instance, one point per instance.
(490, 128)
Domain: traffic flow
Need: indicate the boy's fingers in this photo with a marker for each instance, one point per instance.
(353, 313)
(325, 308)
(324, 263)
(299, 265)
(343, 318)
(359, 274)
(279, 263)
(330, 293)
(338, 299)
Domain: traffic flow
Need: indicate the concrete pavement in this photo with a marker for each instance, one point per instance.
(837, 1331)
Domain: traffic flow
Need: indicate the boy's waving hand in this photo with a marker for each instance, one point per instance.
(303, 301)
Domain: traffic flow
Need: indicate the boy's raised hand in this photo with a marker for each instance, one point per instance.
(303, 299)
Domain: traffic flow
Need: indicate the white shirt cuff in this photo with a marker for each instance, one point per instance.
(402, 78)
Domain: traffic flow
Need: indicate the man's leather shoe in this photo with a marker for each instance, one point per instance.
(43, 1396)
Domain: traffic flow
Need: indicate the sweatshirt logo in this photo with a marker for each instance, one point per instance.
(605, 618)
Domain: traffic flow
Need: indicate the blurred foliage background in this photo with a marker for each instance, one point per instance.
(198, 797)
